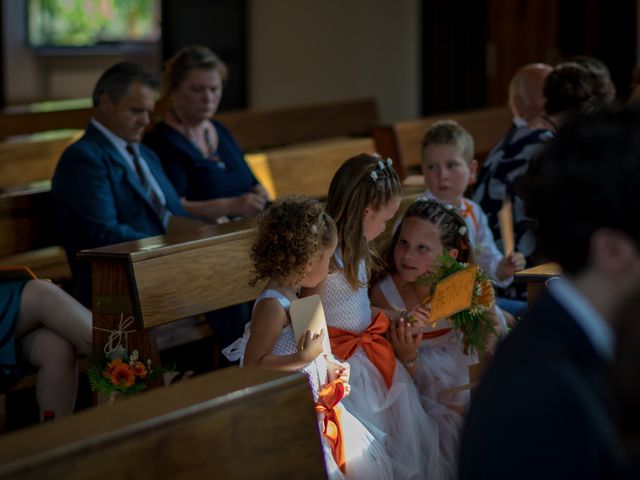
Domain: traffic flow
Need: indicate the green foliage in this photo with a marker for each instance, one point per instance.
(88, 22)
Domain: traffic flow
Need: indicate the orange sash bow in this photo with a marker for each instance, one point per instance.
(328, 397)
(344, 344)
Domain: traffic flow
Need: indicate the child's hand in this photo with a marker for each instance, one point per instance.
(510, 264)
(419, 316)
(311, 345)
(405, 344)
(340, 370)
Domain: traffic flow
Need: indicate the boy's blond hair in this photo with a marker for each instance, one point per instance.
(449, 132)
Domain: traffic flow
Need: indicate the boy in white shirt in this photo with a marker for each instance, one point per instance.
(448, 166)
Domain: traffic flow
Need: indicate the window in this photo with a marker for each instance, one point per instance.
(89, 23)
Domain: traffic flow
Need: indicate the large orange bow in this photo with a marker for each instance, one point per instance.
(328, 397)
(345, 343)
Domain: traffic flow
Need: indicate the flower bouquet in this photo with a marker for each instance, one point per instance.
(474, 322)
(118, 373)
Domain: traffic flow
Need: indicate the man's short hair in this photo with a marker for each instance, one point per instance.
(586, 179)
(117, 79)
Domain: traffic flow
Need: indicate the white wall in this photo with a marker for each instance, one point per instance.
(303, 51)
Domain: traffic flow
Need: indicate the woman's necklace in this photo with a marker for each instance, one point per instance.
(211, 152)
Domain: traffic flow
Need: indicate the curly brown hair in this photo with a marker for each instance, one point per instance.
(290, 233)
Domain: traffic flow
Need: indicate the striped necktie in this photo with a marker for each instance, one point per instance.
(157, 203)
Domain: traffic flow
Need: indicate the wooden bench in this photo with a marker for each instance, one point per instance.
(401, 141)
(232, 423)
(536, 279)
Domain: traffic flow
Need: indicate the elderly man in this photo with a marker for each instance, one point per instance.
(107, 187)
(526, 96)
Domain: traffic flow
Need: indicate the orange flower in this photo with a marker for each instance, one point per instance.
(115, 363)
(139, 369)
(486, 294)
(120, 374)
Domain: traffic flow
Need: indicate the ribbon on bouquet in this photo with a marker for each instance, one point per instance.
(116, 336)
(328, 398)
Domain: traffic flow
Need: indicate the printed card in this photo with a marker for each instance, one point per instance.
(307, 314)
(453, 294)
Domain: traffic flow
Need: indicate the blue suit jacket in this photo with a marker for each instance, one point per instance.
(544, 408)
(99, 201)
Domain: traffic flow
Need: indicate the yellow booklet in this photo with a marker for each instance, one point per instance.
(308, 314)
(453, 294)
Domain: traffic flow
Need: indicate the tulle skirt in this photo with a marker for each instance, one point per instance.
(365, 456)
(442, 365)
(409, 435)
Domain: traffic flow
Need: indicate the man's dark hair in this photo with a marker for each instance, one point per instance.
(117, 79)
(586, 179)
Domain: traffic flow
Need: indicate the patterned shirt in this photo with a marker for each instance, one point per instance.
(505, 165)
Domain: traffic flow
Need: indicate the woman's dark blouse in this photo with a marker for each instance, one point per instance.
(195, 177)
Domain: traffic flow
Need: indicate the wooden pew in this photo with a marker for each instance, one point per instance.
(401, 141)
(308, 168)
(253, 128)
(161, 279)
(536, 279)
(232, 423)
(32, 158)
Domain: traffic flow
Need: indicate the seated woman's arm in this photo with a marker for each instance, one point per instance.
(246, 205)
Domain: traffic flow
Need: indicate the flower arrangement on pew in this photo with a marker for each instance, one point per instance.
(118, 373)
(474, 321)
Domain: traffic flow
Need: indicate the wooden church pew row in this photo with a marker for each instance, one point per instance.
(32, 158)
(254, 129)
(232, 423)
(401, 140)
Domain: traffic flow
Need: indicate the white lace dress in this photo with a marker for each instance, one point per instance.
(411, 435)
(441, 365)
(365, 456)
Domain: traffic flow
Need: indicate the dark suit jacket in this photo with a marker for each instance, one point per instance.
(99, 201)
(544, 409)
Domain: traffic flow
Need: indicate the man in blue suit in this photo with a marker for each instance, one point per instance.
(545, 407)
(107, 187)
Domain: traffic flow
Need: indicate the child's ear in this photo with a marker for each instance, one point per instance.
(473, 171)
(453, 253)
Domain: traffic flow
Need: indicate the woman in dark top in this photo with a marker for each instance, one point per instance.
(199, 155)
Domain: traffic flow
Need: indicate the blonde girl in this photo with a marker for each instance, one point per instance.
(363, 196)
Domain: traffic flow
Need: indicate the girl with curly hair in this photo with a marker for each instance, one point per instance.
(292, 249)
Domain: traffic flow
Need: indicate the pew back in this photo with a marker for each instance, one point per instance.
(232, 423)
(401, 141)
